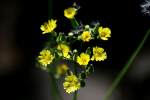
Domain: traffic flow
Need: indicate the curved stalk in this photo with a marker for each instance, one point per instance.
(126, 67)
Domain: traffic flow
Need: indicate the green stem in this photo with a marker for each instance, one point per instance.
(55, 91)
(50, 9)
(75, 95)
(76, 92)
(126, 67)
(54, 88)
(56, 95)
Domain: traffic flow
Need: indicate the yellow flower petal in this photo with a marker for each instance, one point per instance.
(48, 26)
(45, 58)
(98, 54)
(71, 83)
(64, 49)
(70, 12)
(61, 69)
(104, 33)
(83, 59)
(86, 36)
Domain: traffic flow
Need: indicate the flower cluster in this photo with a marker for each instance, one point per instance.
(61, 48)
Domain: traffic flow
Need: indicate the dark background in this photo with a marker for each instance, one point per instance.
(21, 40)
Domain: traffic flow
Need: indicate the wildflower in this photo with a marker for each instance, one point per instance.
(86, 36)
(70, 12)
(71, 83)
(48, 26)
(83, 59)
(45, 57)
(104, 33)
(98, 54)
(61, 69)
(64, 49)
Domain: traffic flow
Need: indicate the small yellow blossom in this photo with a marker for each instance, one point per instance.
(83, 59)
(48, 26)
(64, 49)
(71, 83)
(104, 33)
(45, 57)
(99, 54)
(62, 69)
(86, 36)
(70, 12)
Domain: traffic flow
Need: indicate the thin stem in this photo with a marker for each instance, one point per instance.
(54, 88)
(76, 92)
(75, 95)
(55, 91)
(50, 9)
(76, 22)
(126, 67)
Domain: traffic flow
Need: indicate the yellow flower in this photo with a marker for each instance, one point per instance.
(71, 83)
(45, 57)
(70, 12)
(83, 59)
(86, 36)
(104, 33)
(61, 69)
(64, 49)
(99, 54)
(48, 26)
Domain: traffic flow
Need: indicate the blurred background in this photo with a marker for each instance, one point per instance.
(21, 40)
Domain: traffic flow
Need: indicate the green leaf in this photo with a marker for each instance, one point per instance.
(95, 31)
(74, 23)
(89, 69)
(60, 38)
(88, 50)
